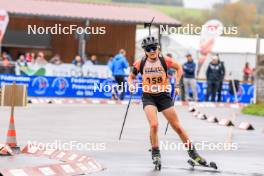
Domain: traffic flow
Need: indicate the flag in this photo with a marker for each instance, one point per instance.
(4, 19)
(210, 31)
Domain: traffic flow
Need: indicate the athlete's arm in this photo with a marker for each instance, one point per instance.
(132, 76)
(179, 71)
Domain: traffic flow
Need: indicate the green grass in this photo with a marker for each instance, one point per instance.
(254, 109)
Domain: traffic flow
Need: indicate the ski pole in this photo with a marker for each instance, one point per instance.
(167, 126)
(129, 102)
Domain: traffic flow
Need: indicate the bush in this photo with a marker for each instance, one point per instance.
(254, 109)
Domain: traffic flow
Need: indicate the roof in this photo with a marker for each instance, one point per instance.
(92, 11)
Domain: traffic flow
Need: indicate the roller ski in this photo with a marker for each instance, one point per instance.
(197, 160)
(156, 158)
(194, 164)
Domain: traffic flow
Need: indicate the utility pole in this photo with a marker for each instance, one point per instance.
(82, 41)
(259, 80)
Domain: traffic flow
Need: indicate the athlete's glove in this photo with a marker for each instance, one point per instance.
(132, 88)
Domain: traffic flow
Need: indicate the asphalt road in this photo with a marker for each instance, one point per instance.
(98, 126)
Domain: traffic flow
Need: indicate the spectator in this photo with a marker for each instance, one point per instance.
(219, 91)
(5, 64)
(56, 60)
(6, 56)
(40, 60)
(21, 65)
(94, 60)
(118, 66)
(21, 61)
(213, 75)
(5, 59)
(78, 61)
(247, 72)
(30, 57)
(189, 81)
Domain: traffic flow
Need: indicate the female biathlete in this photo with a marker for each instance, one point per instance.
(156, 96)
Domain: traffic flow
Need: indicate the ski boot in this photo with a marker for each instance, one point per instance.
(155, 152)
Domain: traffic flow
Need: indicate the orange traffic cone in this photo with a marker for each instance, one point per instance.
(11, 134)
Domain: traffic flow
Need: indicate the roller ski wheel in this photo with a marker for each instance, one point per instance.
(193, 164)
(213, 165)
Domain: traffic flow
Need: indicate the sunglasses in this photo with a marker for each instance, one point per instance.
(151, 48)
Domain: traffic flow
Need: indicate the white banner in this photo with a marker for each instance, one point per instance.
(68, 70)
(4, 19)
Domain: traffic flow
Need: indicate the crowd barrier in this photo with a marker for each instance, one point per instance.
(82, 87)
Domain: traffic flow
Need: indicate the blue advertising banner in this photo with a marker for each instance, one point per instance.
(79, 87)
(41, 86)
(245, 92)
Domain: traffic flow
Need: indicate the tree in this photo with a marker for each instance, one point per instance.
(259, 5)
(240, 14)
(259, 27)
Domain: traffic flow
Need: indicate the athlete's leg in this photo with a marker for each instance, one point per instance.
(151, 113)
(172, 117)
